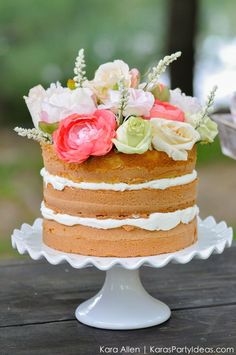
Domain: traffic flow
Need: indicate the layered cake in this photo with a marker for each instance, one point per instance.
(119, 161)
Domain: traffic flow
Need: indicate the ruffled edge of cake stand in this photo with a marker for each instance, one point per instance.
(213, 238)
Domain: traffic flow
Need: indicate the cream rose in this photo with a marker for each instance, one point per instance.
(208, 130)
(133, 136)
(173, 137)
(108, 76)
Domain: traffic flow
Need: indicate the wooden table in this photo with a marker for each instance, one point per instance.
(38, 300)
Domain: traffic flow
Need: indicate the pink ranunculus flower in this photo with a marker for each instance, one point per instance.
(79, 136)
(162, 109)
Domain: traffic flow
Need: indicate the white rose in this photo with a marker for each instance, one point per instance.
(57, 102)
(173, 137)
(107, 77)
(139, 103)
(190, 105)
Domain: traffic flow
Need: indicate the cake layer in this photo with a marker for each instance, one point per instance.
(115, 204)
(153, 222)
(117, 242)
(59, 183)
(118, 167)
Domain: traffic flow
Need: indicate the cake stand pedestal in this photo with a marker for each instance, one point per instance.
(123, 303)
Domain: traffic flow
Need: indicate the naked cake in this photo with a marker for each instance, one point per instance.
(119, 161)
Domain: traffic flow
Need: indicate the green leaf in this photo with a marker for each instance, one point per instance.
(48, 128)
(161, 92)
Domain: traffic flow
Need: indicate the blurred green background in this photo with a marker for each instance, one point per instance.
(38, 44)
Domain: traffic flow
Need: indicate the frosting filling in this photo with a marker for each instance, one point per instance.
(59, 183)
(155, 221)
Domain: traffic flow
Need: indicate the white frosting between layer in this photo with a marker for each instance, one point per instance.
(59, 183)
(155, 221)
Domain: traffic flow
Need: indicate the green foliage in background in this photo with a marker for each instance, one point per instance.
(39, 41)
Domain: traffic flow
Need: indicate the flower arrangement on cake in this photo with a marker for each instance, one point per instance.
(119, 156)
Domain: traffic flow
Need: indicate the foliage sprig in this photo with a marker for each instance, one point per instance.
(124, 98)
(79, 71)
(156, 72)
(34, 134)
(209, 103)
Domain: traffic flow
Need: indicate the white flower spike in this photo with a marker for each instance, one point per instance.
(34, 134)
(79, 71)
(155, 73)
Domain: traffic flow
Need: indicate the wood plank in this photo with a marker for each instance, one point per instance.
(198, 283)
(40, 292)
(22, 260)
(211, 327)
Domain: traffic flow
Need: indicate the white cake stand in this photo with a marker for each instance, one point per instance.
(123, 303)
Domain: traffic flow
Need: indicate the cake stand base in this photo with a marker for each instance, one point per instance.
(122, 303)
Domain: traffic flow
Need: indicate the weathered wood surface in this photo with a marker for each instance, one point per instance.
(37, 303)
